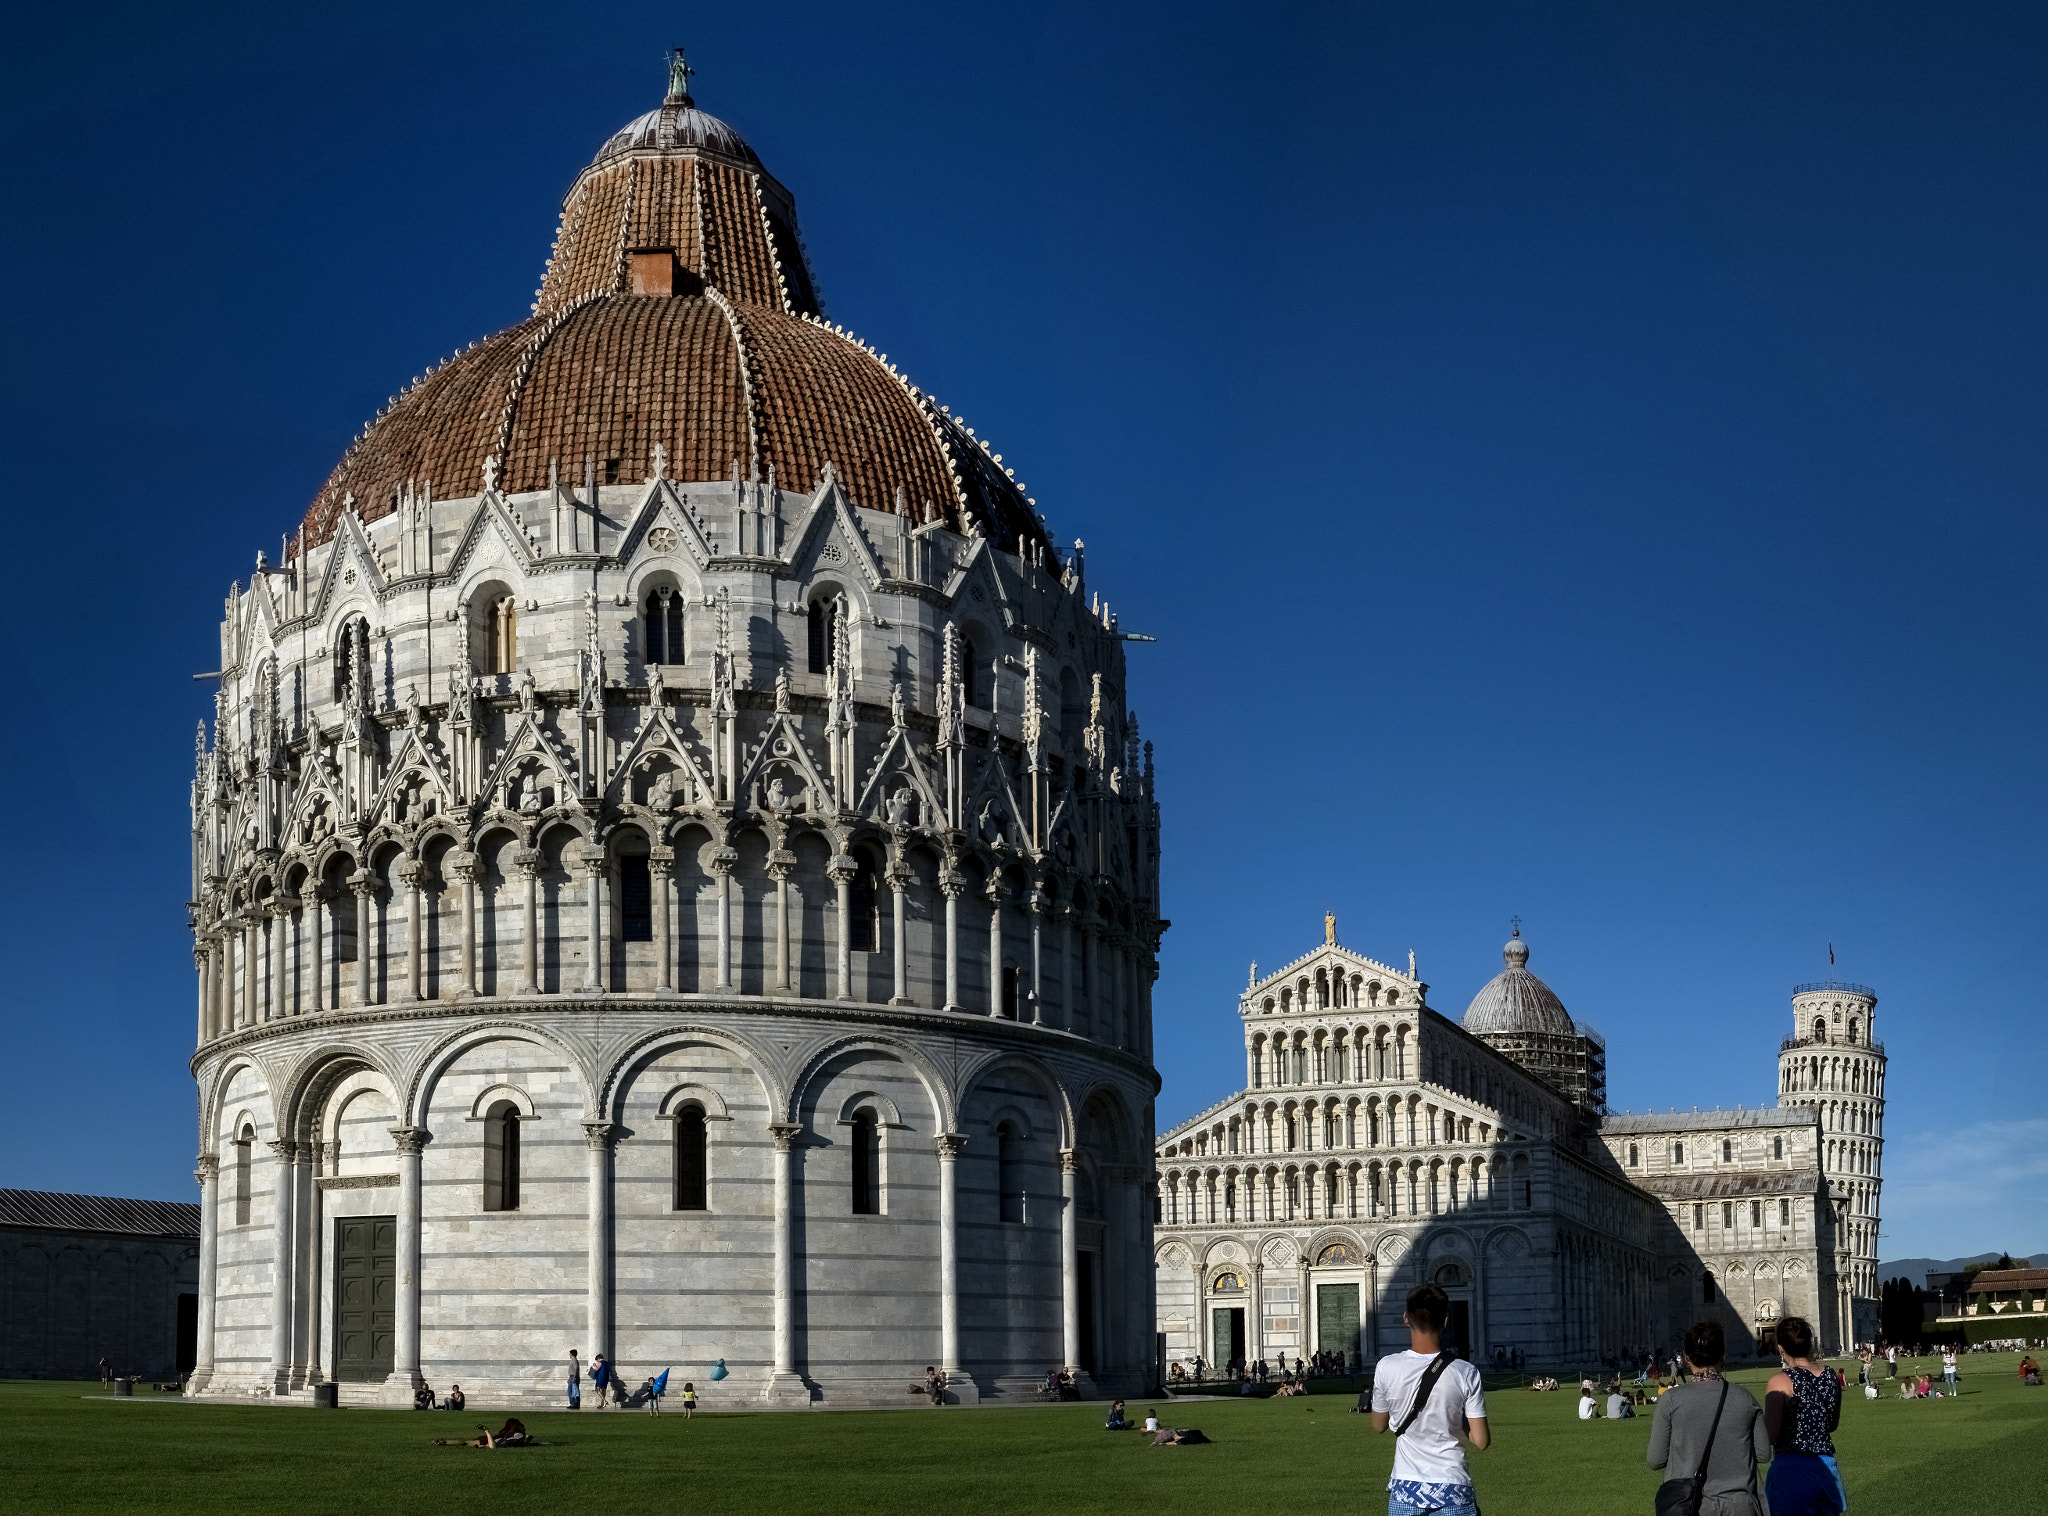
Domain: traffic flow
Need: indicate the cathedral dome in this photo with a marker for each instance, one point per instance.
(1515, 1000)
(677, 311)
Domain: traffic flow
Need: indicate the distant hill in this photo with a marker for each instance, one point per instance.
(1916, 1269)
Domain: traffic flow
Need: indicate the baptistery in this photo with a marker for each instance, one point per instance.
(675, 875)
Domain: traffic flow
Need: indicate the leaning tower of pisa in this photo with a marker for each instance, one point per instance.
(1834, 1064)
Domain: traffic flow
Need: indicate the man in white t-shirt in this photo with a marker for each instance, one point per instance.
(1429, 1466)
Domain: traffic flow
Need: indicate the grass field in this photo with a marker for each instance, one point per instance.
(69, 1453)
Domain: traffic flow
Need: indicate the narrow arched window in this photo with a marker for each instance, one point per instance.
(1634, 1155)
(693, 1191)
(244, 1148)
(501, 642)
(1727, 1151)
(1677, 1153)
(1777, 1147)
(664, 625)
(820, 636)
(1010, 991)
(864, 910)
(501, 1157)
(970, 675)
(1820, 1029)
(1852, 1028)
(867, 1163)
(1009, 1172)
(636, 899)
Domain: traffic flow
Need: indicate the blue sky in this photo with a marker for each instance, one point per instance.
(1582, 462)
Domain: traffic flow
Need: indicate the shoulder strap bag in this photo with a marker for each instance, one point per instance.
(1682, 1497)
(1426, 1388)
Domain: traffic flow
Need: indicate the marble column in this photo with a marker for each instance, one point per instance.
(1091, 975)
(283, 1258)
(784, 1384)
(207, 1172)
(409, 876)
(202, 967)
(995, 946)
(780, 864)
(252, 966)
(1037, 906)
(598, 1137)
(465, 866)
(410, 1141)
(280, 955)
(1070, 1263)
(899, 885)
(722, 861)
(661, 865)
(316, 941)
(842, 869)
(306, 1367)
(1255, 1315)
(364, 884)
(949, 1146)
(595, 975)
(951, 884)
(1069, 1011)
(527, 861)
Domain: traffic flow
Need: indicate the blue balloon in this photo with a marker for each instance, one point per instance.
(718, 1370)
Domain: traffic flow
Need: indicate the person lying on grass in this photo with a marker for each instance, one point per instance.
(512, 1434)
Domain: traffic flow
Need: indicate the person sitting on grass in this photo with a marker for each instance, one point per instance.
(2030, 1371)
(423, 1398)
(1618, 1406)
(456, 1400)
(1115, 1421)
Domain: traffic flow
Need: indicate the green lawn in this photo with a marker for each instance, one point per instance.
(70, 1453)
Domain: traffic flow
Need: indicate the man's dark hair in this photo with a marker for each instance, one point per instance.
(1795, 1335)
(1705, 1344)
(1428, 1308)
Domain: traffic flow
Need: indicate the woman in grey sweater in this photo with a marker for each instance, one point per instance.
(1678, 1437)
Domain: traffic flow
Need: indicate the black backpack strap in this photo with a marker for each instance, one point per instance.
(1426, 1388)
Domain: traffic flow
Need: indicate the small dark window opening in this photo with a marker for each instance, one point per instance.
(1707, 1288)
(1756, 1213)
(1009, 1173)
(1777, 1147)
(692, 1188)
(864, 911)
(1010, 993)
(970, 681)
(611, 471)
(867, 1164)
(1784, 1213)
(501, 1157)
(636, 900)
(1678, 1152)
(820, 636)
(1634, 1155)
(1727, 1151)
(1728, 1213)
(664, 626)
(244, 1145)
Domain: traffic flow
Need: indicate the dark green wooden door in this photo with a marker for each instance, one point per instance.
(1337, 1319)
(365, 1293)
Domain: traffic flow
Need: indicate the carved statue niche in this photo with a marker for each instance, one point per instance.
(902, 804)
(661, 791)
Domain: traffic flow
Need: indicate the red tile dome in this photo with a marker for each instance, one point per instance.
(677, 310)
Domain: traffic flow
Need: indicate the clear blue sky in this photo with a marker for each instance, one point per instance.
(1582, 462)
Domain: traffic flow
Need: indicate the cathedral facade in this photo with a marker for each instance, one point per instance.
(674, 872)
(1377, 1144)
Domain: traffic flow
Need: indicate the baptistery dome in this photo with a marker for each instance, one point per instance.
(674, 871)
(1515, 1000)
(677, 310)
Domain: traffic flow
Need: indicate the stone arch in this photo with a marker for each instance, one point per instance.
(1105, 1115)
(644, 1049)
(213, 1107)
(908, 1054)
(418, 1090)
(495, 1093)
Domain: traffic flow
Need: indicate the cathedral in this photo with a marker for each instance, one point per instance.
(674, 871)
(1378, 1144)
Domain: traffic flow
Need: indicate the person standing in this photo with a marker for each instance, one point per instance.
(689, 1399)
(600, 1376)
(1948, 1368)
(1891, 1360)
(1802, 1408)
(1711, 1431)
(1435, 1396)
(575, 1382)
